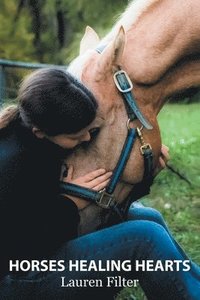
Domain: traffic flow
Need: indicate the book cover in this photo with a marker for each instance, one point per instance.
(129, 234)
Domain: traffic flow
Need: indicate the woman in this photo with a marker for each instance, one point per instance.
(56, 113)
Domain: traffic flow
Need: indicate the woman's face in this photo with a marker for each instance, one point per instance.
(69, 141)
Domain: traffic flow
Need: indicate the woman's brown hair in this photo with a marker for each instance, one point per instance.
(52, 100)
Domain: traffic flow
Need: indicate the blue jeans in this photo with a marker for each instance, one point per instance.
(143, 237)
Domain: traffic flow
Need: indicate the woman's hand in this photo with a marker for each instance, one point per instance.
(163, 159)
(96, 180)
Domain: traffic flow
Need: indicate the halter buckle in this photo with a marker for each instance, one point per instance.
(145, 147)
(122, 81)
(105, 199)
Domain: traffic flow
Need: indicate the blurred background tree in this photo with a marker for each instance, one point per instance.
(16, 36)
(50, 30)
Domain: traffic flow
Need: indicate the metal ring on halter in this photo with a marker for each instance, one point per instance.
(128, 125)
(141, 127)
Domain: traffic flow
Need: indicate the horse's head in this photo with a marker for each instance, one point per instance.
(158, 57)
(96, 71)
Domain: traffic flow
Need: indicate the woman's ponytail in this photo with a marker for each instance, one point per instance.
(8, 116)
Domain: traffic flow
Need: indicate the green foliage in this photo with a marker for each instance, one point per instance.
(81, 13)
(35, 37)
(16, 36)
(180, 131)
(95, 13)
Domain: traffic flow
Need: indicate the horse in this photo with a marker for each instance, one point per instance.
(157, 44)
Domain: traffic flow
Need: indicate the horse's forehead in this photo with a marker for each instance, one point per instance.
(86, 69)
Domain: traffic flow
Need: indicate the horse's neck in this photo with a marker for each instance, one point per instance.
(162, 42)
(129, 17)
(163, 32)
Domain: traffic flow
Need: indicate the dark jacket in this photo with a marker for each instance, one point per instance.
(34, 219)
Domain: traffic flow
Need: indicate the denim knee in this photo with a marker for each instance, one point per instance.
(143, 231)
(139, 212)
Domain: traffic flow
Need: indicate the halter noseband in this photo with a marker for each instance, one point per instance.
(105, 198)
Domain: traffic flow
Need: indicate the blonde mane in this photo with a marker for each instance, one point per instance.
(130, 16)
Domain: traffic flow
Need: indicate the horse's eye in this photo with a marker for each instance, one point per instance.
(94, 132)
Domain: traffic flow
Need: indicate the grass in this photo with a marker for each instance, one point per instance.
(180, 130)
(178, 201)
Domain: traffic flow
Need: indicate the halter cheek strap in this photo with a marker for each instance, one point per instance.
(125, 86)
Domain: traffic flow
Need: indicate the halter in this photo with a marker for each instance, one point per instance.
(105, 198)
